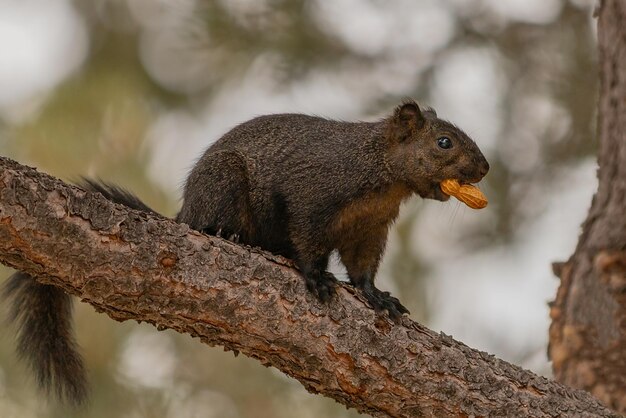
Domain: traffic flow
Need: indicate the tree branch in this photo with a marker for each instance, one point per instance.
(134, 265)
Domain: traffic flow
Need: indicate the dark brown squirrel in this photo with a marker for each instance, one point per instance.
(296, 185)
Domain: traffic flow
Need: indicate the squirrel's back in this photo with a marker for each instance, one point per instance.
(287, 144)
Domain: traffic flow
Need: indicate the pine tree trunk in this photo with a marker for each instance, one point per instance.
(588, 332)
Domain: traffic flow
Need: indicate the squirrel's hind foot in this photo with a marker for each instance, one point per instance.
(322, 284)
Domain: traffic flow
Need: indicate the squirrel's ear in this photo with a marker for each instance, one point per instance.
(407, 118)
(429, 113)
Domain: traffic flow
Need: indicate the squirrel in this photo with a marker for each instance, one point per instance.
(295, 185)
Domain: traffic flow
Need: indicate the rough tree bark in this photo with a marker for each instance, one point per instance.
(588, 332)
(134, 265)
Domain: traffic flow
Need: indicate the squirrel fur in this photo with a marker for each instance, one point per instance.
(295, 185)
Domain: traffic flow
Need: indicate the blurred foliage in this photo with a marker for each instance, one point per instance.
(96, 123)
(284, 28)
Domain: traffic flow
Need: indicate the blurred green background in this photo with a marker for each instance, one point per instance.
(132, 91)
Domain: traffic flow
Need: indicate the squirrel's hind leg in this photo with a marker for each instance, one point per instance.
(217, 198)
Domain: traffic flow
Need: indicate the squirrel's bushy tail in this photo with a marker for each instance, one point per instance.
(115, 194)
(42, 316)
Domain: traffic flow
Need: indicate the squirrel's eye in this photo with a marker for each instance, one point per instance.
(444, 142)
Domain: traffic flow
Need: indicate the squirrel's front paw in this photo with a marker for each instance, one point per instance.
(383, 301)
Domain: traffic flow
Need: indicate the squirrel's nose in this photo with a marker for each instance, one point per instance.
(483, 168)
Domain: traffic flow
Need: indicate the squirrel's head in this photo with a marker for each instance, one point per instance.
(424, 150)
